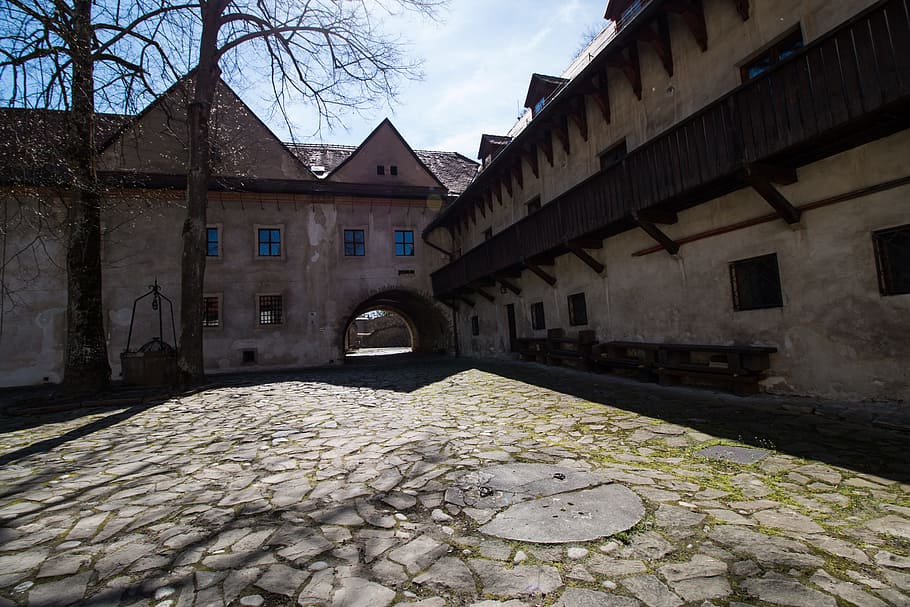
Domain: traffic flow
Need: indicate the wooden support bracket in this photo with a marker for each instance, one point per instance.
(488, 199)
(778, 201)
(546, 277)
(482, 207)
(546, 144)
(510, 286)
(658, 216)
(579, 116)
(519, 174)
(583, 255)
(530, 156)
(657, 34)
(470, 302)
(669, 245)
(626, 60)
(497, 191)
(742, 7)
(507, 182)
(693, 14)
(485, 295)
(771, 172)
(600, 92)
(561, 130)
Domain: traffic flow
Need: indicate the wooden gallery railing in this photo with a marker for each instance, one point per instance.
(830, 90)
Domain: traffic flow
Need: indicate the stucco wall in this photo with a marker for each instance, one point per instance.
(837, 336)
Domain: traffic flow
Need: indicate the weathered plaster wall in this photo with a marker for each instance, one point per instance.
(836, 335)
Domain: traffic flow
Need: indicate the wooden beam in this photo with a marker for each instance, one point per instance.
(600, 92)
(488, 199)
(774, 173)
(550, 280)
(470, 302)
(519, 174)
(692, 13)
(511, 287)
(742, 7)
(546, 144)
(506, 179)
(561, 130)
(586, 257)
(657, 34)
(778, 201)
(658, 216)
(588, 243)
(669, 245)
(626, 60)
(497, 191)
(530, 156)
(482, 207)
(579, 115)
(485, 295)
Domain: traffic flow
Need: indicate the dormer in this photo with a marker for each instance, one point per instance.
(621, 11)
(490, 146)
(541, 90)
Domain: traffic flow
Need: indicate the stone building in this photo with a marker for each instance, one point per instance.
(707, 172)
(302, 239)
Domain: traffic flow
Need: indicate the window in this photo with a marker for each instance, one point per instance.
(475, 325)
(756, 283)
(211, 312)
(488, 234)
(212, 243)
(354, 243)
(538, 322)
(539, 106)
(892, 257)
(248, 357)
(578, 310)
(777, 52)
(534, 205)
(271, 310)
(380, 169)
(404, 243)
(613, 155)
(269, 242)
(393, 170)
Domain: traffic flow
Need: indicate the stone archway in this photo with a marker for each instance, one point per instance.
(430, 328)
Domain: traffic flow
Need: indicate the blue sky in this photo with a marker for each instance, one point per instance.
(478, 60)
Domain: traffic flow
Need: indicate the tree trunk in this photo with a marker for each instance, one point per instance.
(190, 365)
(86, 366)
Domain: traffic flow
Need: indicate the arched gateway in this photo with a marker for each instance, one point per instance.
(429, 324)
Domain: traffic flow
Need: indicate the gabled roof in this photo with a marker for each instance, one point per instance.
(454, 170)
(542, 87)
(32, 144)
(615, 8)
(491, 144)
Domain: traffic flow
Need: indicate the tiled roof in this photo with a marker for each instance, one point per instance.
(32, 143)
(451, 168)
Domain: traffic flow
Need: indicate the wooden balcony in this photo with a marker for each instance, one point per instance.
(846, 88)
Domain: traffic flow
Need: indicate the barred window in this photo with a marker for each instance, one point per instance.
(212, 247)
(475, 325)
(269, 242)
(538, 321)
(534, 205)
(404, 243)
(578, 310)
(271, 309)
(211, 312)
(354, 243)
(756, 283)
(892, 258)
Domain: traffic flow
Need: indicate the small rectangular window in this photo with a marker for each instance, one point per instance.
(393, 170)
(271, 309)
(380, 169)
(892, 258)
(538, 321)
(354, 243)
(613, 155)
(475, 325)
(248, 357)
(756, 283)
(578, 310)
(404, 243)
(774, 54)
(212, 247)
(534, 205)
(488, 234)
(211, 312)
(269, 242)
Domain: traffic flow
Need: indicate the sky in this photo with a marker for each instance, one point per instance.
(477, 63)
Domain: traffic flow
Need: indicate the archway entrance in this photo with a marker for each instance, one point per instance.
(396, 321)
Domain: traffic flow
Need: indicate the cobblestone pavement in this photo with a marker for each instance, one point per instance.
(329, 488)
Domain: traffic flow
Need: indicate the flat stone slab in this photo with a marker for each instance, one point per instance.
(737, 455)
(576, 516)
(501, 486)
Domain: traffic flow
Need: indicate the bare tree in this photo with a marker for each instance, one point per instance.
(66, 55)
(333, 53)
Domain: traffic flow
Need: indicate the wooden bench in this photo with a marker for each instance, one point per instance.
(737, 367)
(532, 349)
(575, 351)
(639, 357)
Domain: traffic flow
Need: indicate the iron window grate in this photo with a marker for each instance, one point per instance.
(211, 317)
(271, 309)
(756, 283)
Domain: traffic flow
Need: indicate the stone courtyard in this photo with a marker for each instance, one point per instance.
(404, 484)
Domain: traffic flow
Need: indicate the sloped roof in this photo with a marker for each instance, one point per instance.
(32, 143)
(542, 87)
(454, 170)
(491, 144)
